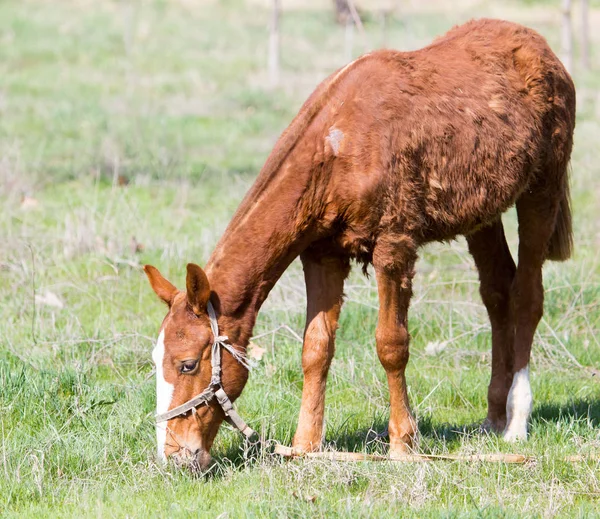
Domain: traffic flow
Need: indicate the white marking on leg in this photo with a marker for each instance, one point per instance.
(518, 406)
(164, 394)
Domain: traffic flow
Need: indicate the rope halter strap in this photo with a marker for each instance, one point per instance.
(215, 388)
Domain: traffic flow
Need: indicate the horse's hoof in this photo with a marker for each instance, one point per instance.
(399, 452)
(515, 434)
(302, 447)
(399, 449)
(495, 426)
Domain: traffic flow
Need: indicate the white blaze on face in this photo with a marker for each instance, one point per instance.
(518, 406)
(164, 394)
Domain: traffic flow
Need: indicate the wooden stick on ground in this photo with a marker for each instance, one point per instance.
(409, 458)
(289, 452)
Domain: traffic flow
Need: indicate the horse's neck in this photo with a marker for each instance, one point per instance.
(263, 238)
(274, 223)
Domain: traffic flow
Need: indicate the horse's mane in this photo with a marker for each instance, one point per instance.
(288, 140)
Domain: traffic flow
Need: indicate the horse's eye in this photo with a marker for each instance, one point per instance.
(188, 366)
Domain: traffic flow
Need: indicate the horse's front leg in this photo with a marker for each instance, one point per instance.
(324, 278)
(394, 268)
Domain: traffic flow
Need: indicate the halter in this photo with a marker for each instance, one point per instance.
(215, 388)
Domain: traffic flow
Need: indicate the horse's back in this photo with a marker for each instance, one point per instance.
(446, 138)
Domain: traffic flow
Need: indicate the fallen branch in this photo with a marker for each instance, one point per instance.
(290, 452)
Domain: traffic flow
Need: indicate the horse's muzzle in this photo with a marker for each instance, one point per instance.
(197, 462)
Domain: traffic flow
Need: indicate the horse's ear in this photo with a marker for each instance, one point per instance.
(163, 288)
(198, 289)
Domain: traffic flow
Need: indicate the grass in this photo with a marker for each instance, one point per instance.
(169, 98)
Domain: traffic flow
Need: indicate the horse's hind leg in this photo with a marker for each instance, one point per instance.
(537, 211)
(496, 273)
(324, 278)
(394, 268)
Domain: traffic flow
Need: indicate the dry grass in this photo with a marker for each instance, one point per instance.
(129, 133)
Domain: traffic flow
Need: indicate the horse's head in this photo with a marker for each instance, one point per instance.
(183, 370)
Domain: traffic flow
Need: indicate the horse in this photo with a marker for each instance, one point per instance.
(392, 151)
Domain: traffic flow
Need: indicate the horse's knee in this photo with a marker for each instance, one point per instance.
(319, 345)
(528, 297)
(495, 288)
(495, 298)
(392, 349)
(537, 309)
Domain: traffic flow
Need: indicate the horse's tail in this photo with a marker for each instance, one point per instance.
(561, 241)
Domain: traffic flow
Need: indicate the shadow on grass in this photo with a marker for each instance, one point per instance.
(575, 410)
(373, 440)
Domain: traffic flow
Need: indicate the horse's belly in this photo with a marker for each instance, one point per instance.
(462, 205)
(460, 183)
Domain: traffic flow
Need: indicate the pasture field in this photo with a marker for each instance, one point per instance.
(129, 132)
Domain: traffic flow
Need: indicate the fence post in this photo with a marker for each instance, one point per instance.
(349, 40)
(274, 44)
(567, 36)
(585, 34)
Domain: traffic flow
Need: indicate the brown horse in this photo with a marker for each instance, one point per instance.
(395, 150)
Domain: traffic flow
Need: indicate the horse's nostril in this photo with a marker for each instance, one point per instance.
(197, 461)
(203, 459)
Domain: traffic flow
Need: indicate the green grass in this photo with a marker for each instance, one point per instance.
(170, 96)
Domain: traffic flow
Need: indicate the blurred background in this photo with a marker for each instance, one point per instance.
(183, 88)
